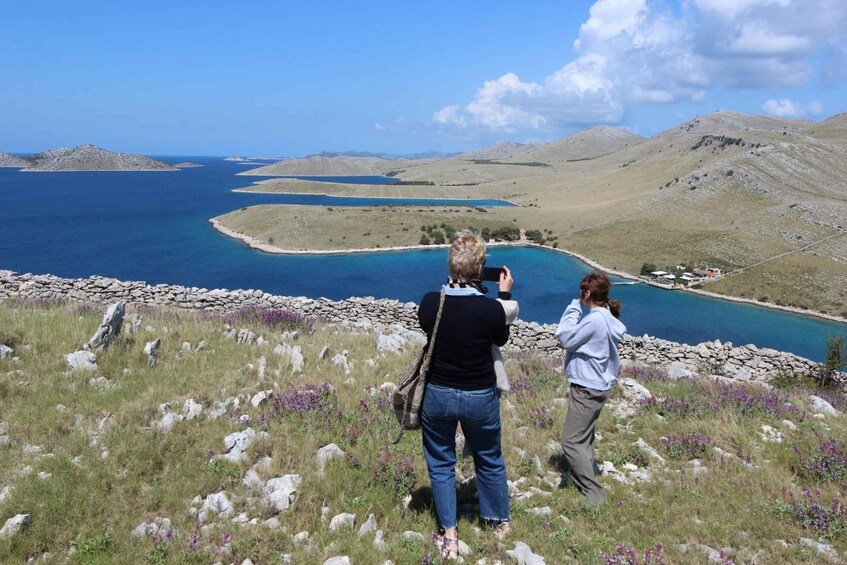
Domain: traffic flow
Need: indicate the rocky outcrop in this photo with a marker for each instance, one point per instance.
(91, 158)
(746, 362)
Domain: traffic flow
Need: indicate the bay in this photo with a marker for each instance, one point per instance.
(153, 226)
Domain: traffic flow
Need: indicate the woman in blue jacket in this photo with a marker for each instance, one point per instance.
(592, 364)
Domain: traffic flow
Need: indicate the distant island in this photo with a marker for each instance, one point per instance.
(90, 158)
(187, 165)
(7, 160)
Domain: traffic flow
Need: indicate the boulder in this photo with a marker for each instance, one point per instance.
(81, 361)
(151, 349)
(523, 555)
(278, 493)
(326, 453)
(110, 327)
(15, 525)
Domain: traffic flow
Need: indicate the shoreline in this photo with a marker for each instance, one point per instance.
(260, 246)
(245, 190)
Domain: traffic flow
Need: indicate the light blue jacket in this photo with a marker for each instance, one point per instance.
(591, 342)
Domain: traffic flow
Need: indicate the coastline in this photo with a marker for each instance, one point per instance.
(260, 246)
(246, 190)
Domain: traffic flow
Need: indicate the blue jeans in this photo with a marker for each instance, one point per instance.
(479, 412)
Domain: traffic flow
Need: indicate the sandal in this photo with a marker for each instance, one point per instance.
(449, 547)
(503, 529)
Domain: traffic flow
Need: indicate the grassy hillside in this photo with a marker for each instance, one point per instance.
(762, 197)
(330, 228)
(89, 457)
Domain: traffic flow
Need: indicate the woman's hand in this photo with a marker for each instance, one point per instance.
(506, 280)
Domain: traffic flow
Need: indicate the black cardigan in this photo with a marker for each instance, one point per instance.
(470, 325)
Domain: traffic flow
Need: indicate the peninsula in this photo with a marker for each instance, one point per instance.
(761, 198)
(90, 158)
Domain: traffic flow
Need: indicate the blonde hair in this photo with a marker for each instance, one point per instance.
(466, 256)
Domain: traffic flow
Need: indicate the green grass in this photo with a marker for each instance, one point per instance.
(92, 502)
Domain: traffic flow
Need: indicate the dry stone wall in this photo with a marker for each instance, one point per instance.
(745, 362)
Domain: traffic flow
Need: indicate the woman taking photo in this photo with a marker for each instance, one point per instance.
(592, 364)
(462, 388)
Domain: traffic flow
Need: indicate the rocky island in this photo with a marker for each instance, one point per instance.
(7, 160)
(187, 165)
(90, 158)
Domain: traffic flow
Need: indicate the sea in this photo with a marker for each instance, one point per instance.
(153, 227)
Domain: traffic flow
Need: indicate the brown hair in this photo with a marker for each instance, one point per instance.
(599, 285)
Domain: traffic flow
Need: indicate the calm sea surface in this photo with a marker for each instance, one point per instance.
(153, 226)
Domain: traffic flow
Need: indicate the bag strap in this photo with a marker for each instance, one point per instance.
(431, 347)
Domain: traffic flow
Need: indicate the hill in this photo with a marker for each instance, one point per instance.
(91, 158)
(266, 435)
(760, 197)
(589, 144)
(12, 161)
(325, 166)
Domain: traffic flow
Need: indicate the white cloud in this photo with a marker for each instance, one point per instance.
(379, 127)
(632, 52)
(786, 108)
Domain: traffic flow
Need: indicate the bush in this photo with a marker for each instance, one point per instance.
(686, 446)
(424, 240)
(437, 237)
(647, 268)
(836, 360)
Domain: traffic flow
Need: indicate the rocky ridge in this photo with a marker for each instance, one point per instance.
(13, 161)
(745, 362)
(90, 158)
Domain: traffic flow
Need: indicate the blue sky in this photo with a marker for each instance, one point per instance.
(287, 79)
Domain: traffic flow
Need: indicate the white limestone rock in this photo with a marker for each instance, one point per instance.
(369, 525)
(279, 493)
(326, 453)
(821, 406)
(151, 349)
(338, 560)
(191, 409)
(343, 520)
(157, 526)
(826, 551)
(15, 525)
(340, 359)
(771, 435)
(236, 444)
(81, 361)
(6, 352)
(216, 504)
(109, 328)
(523, 555)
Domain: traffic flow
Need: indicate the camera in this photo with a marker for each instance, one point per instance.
(491, 273)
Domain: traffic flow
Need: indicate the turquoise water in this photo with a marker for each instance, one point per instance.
(154, 227)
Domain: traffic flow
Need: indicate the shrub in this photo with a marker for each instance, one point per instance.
(277, 320)
(305, 399)
(835, 360)
(813, 513)
(424, 240)
(394, 472)
(827, 462)
(437, 237)
(625, 555)
(542, 417)
(686, 446)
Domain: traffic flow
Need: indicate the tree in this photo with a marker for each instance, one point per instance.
(424, 240)
(437, 237)
(835, 361)
(647, 268)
